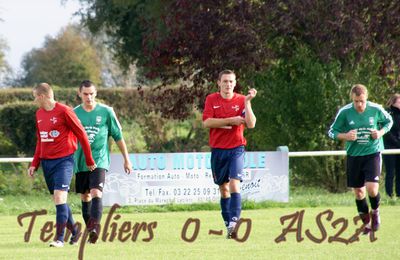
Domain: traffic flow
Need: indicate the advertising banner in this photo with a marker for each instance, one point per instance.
(185, 178)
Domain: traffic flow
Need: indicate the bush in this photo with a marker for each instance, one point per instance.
(17, 122)
(301, 96)
(15, 181)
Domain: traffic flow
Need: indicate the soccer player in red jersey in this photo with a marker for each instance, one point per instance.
(58, 129)
(227, 113)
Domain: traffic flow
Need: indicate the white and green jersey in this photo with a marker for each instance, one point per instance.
(373, 117)
(99, 124)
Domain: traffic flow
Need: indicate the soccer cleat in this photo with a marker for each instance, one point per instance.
(93, 236)
(74, 239)
(367, 229)
(375, 219)
(231, 232)
(57, 243)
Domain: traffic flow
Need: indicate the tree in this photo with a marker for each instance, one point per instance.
(302, 55)
(5, 69)
(64, 60)
(174, 40)
(184, 42)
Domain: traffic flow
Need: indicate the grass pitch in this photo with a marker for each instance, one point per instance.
(165, 241)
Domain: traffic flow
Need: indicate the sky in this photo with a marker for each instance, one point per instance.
(26, 23)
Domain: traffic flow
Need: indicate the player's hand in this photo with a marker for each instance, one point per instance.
(91, 167)
(31, 171)
(128, 167)
(351, 135)
(376, 134)
(251, 94)
(237, 120)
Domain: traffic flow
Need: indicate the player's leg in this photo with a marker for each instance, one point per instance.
(86, 201)
(356, 180)
(397, 177)
(235, 207)
(48, 172)
(96, 184)
(225, 202)
(60, 200)
(372, 169)
(63, 168)
(82, 188)
(219, 167)
(236, 166)
(390, 167)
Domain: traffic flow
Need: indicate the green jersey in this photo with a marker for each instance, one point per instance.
(373, 117)
(99, 124)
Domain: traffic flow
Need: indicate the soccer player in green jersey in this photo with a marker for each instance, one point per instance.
(100, 122)
(361, 124)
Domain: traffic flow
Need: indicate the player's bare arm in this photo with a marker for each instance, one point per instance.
(31, 171)
(223, 122)
(92, 167)
(250, 118)
(124, 151)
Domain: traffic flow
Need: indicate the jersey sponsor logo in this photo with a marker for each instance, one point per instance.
(235, 107)
(98, 119)
(54, 133)
(215, 107)
(44, 137)
(53, 119)
(44, 134)
(46, 140)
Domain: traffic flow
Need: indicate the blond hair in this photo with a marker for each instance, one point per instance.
(43, 89)
(392, 99)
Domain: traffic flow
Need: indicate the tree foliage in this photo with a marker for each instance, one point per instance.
(193, 40)
(64, 60)
(5, 69)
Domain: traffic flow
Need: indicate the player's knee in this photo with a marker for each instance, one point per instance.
(86, 197)
(96, 193)
(224, 190)
(359, 193)
(60, 197)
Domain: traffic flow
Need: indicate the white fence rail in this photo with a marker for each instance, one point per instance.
(291, 154)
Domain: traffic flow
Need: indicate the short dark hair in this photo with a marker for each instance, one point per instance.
(86, 84)
(224, 72)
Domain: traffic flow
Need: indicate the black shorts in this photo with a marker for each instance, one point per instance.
(85, 181)
(362, 169)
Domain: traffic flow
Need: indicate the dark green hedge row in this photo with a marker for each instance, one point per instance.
(127, 102)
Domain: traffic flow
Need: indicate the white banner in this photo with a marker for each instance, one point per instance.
(184, 178)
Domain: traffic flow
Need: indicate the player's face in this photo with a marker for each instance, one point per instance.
(88, 95)
(397, 103)
(360, 102)
(227, 83)
(38, 99)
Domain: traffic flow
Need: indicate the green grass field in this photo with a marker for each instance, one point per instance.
(167, 243)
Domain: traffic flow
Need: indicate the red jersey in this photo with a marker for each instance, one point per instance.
(57, 132)
(218, 107)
